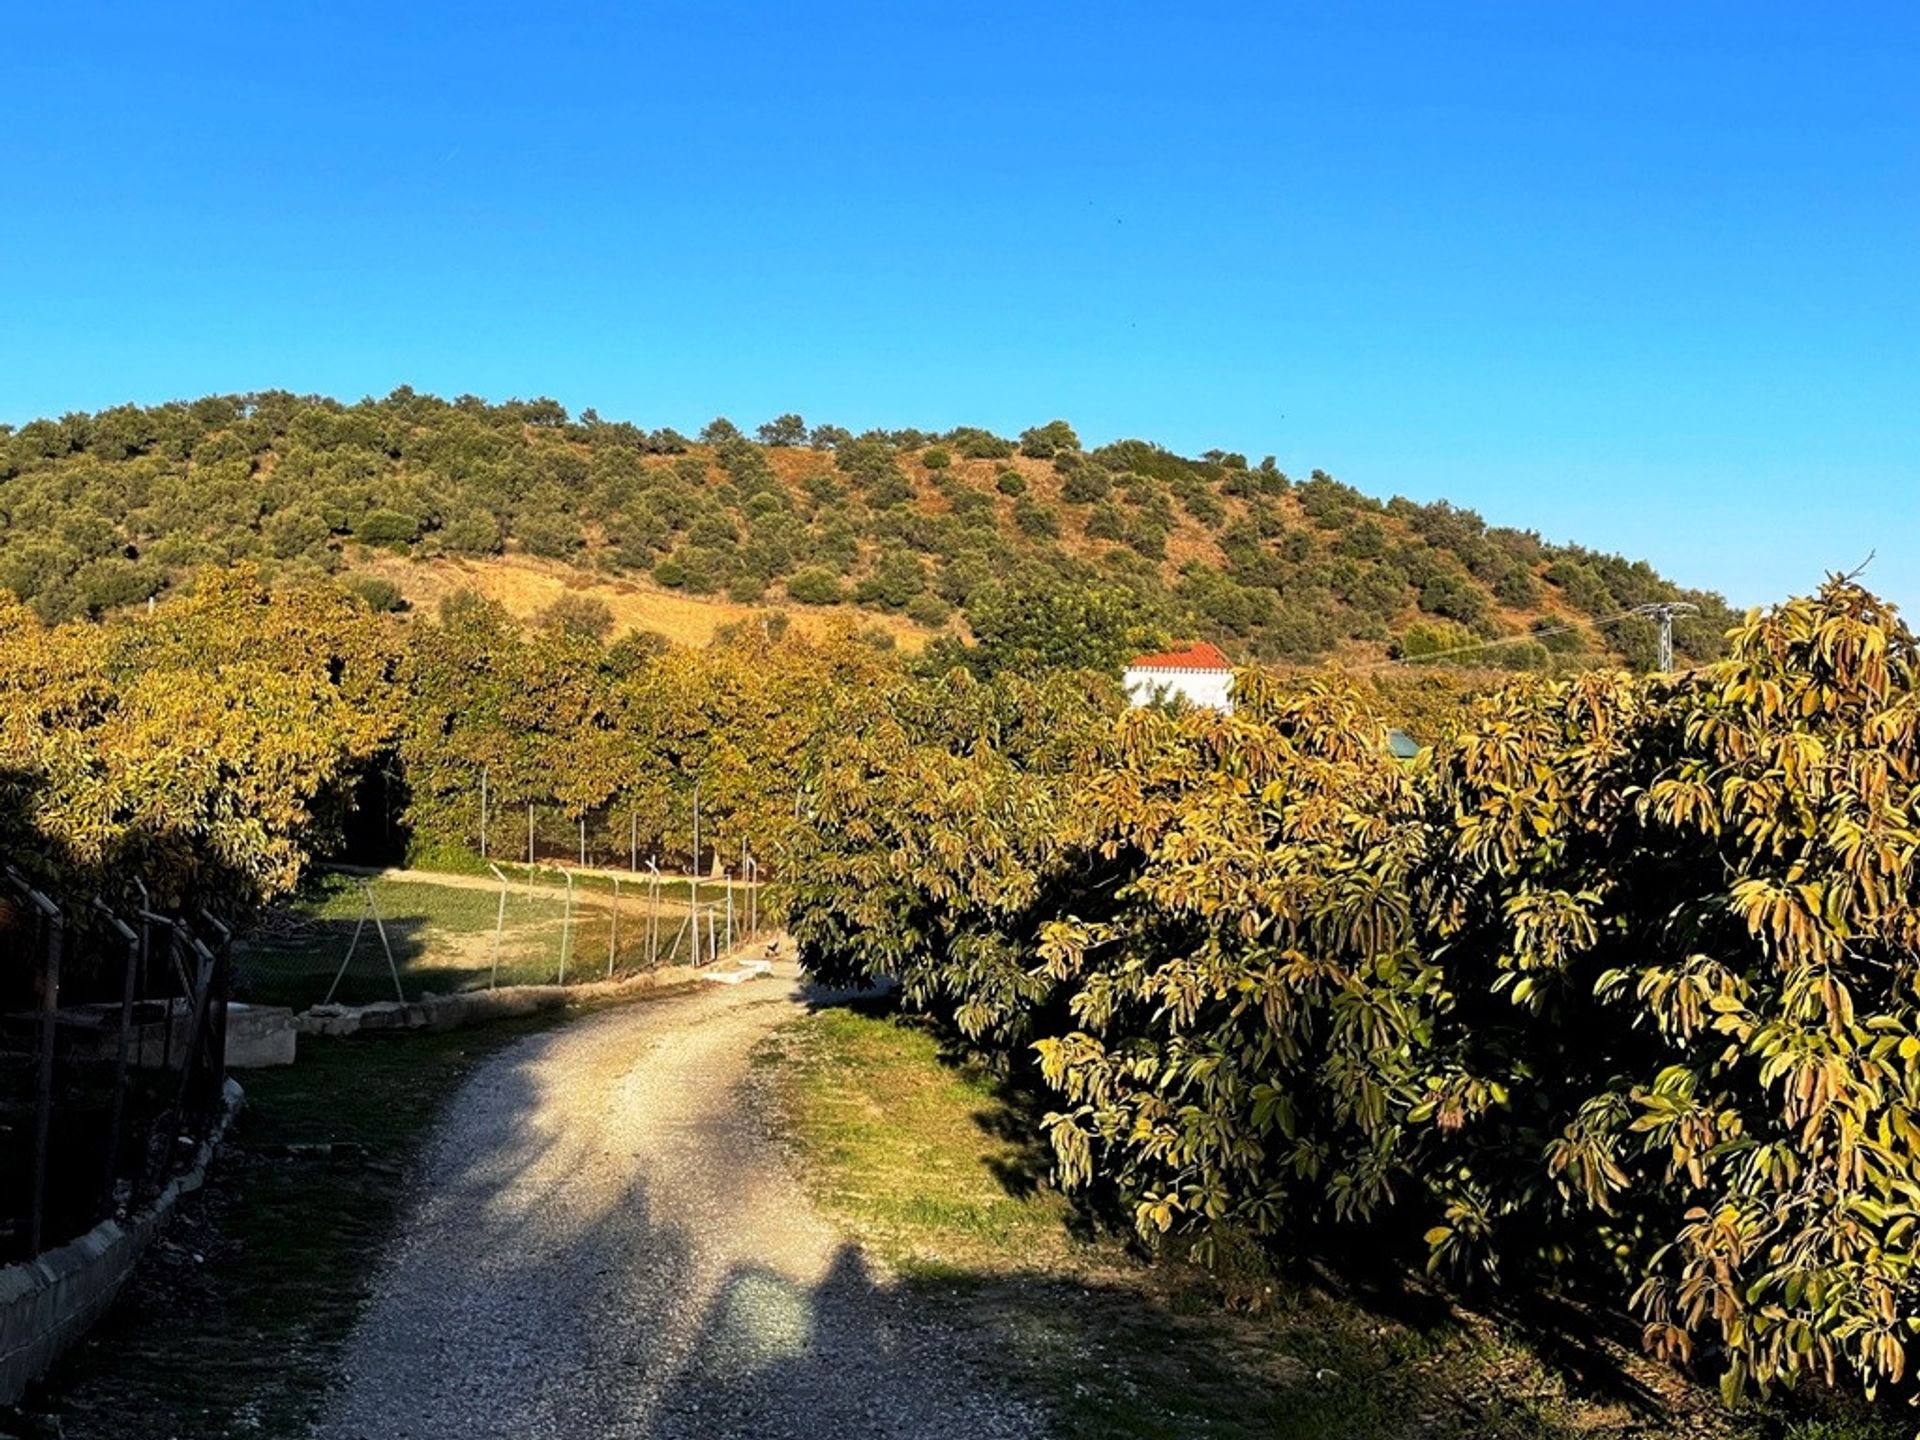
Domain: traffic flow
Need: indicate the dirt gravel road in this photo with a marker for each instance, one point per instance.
(606, 1241)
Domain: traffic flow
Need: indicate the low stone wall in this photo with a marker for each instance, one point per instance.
(49, 1302)
(473, 1007)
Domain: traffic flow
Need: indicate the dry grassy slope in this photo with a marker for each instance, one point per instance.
(524, 586)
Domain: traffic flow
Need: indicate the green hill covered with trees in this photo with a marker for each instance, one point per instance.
(100, 511)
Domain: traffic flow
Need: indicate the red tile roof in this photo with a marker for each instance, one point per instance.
(1198, 656)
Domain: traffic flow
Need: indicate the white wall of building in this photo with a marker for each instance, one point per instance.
(1209, 688)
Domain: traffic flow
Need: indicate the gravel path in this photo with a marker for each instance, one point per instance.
(606, 1242)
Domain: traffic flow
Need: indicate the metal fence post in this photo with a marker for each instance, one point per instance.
(613, 935)
(223, 990)
(52, 931)
(653, 913)
(499, 924)
(116, 1126)
(566, 922)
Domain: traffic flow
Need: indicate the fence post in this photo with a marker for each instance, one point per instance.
(202, 1000)
(53, 934)
(223, 990)
(653, 913)
(613, 935)
(115, 1126)
(566, 922)
(499, 924)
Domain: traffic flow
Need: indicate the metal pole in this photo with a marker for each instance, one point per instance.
(583, 842)
(223, 993)
(693, 882)
(483, 812)
(49, 997)
(633, 842)
(653, 914)
(148, 919)
(529, 843)
(499, 924)
(359, 928)
(613, 935)
(566, 923)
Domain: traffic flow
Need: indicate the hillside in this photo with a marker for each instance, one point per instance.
(101, 511)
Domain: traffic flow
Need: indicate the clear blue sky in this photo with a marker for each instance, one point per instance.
(1643, 275)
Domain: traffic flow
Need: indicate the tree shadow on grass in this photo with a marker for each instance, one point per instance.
(1354, 1286)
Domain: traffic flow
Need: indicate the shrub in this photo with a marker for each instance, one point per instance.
(1043, 442)
(1517, 588)
(1085, 485)
(113, 582)
(548, 533)
(583, 617)
(897, 577)
(936, 458)
(1106, 522)
(1035, 519)
(376, 592)
(976, 444)
(386, 527)
(1454, 597)
(1010, 482)
(928, 610)
(1148, 537)
(470, 531)
(815, 586)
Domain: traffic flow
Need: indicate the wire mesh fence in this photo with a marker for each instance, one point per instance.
(355, 938)
(112, 1056)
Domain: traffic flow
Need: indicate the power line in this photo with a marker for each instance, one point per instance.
(1505, 640)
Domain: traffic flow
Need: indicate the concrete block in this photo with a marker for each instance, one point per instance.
(259, 1036)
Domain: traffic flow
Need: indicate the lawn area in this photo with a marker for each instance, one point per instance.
(229, 1326)
(442, 940)
(931, 1165)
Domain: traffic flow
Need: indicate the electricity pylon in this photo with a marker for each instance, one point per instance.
(1663, 611)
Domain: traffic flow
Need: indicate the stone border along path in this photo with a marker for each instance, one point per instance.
(606, 1243)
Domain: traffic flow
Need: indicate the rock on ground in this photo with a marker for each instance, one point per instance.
(606, 1242)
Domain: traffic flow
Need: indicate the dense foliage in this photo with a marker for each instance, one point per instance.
(99, 512)
(214, 747)
(1617, 989)
(205, 749)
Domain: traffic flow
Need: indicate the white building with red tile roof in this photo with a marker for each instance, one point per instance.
(1198, 673)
